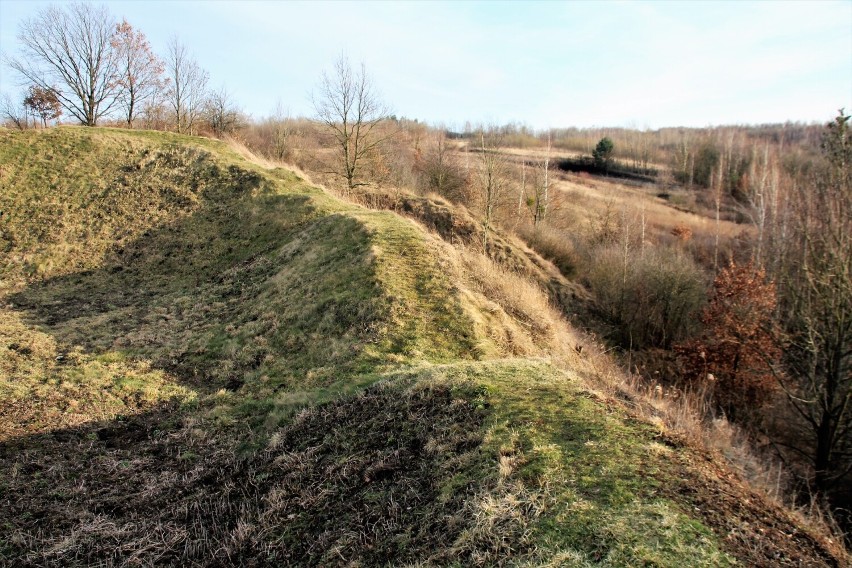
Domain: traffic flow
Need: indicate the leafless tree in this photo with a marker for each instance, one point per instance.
(539, 202)
(222, 114)
(717, 181)
(347, 103)
(71, 47)
(442, 172)
(140, 71)
(187, 86)
(492, 173)
(816, 286)
(14, 113)
(281, 130)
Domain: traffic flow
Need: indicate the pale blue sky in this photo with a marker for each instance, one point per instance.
(545, 64)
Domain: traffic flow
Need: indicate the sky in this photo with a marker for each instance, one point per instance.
(542, 64)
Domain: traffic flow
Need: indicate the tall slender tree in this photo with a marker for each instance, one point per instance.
(187, 86)
(492, 173)
(539, 202)
(140, 71)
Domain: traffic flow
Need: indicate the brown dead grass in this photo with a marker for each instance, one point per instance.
(593, 199)
(246, 153)
(530, 324)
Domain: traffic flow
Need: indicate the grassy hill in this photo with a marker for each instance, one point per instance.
(207, 362)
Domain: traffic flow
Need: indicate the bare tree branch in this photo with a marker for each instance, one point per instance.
(188, 85)
(71, 49)
(140, 70)
(347, 103)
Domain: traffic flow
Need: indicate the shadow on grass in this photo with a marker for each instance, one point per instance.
(356, 480)
(251, 284)
(249, 290)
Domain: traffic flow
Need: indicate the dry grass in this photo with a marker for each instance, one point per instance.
(687, 417)
(248, 155)
(520, 318)
(530, 323)
(600, 198)
(553, 244)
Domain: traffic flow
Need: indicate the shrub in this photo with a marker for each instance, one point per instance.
(682, 232)
(651, 298)
(735, 355)
(554, 245)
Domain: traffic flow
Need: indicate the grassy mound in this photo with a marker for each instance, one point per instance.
(207, 362)
(220, 276)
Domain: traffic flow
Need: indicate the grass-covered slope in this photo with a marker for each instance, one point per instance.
(223, 276)
(203, 362)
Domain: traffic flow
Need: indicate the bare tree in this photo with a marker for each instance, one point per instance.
(493, 179)
(816, 286)
(281, 131)
(222, 114)
(71, 47)
(16, 114)
(809, 246)
(442, 172)
(347, 103)
(539, 203)
(139, 69)
(762, 196)
(188, 83)
(717, 181)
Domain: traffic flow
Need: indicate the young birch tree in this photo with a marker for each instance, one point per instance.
(492, 177)
(188, 83)
(540, 202)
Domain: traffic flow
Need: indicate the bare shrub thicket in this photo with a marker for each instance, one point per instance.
(652, 299)
(440, 168)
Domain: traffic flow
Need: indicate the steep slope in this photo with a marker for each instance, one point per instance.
(206, 362)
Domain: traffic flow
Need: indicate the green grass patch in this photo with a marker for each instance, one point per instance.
(43, 387)
(570, 477)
